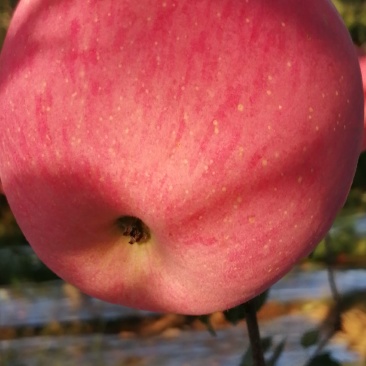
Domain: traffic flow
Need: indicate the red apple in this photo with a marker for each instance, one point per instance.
(362, 59)
(177, 156)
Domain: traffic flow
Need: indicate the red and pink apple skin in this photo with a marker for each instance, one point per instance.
(231, 128)
(362, 59)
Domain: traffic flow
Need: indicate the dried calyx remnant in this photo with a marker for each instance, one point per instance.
(134, 228)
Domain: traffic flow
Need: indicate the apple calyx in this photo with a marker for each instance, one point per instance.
(134, 228)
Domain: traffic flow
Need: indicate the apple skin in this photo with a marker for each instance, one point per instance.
(362, 59)
(230, 128)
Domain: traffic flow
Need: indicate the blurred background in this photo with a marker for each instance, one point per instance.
(44, 321)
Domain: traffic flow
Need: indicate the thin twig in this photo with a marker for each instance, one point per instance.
(333, 321)
(330, 269)
(254, 335)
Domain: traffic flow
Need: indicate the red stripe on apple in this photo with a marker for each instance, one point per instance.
(362, 59)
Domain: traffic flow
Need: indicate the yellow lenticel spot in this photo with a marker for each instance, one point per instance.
(216, 124)
(251, 219)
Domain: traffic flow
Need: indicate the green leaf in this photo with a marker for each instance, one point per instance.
(324, 359)
(276, 353)
(310, 338)
(234, 315)
(205, 319)
(247, 359)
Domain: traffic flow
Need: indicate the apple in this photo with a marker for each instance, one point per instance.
(362, 59)
(177, 156)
